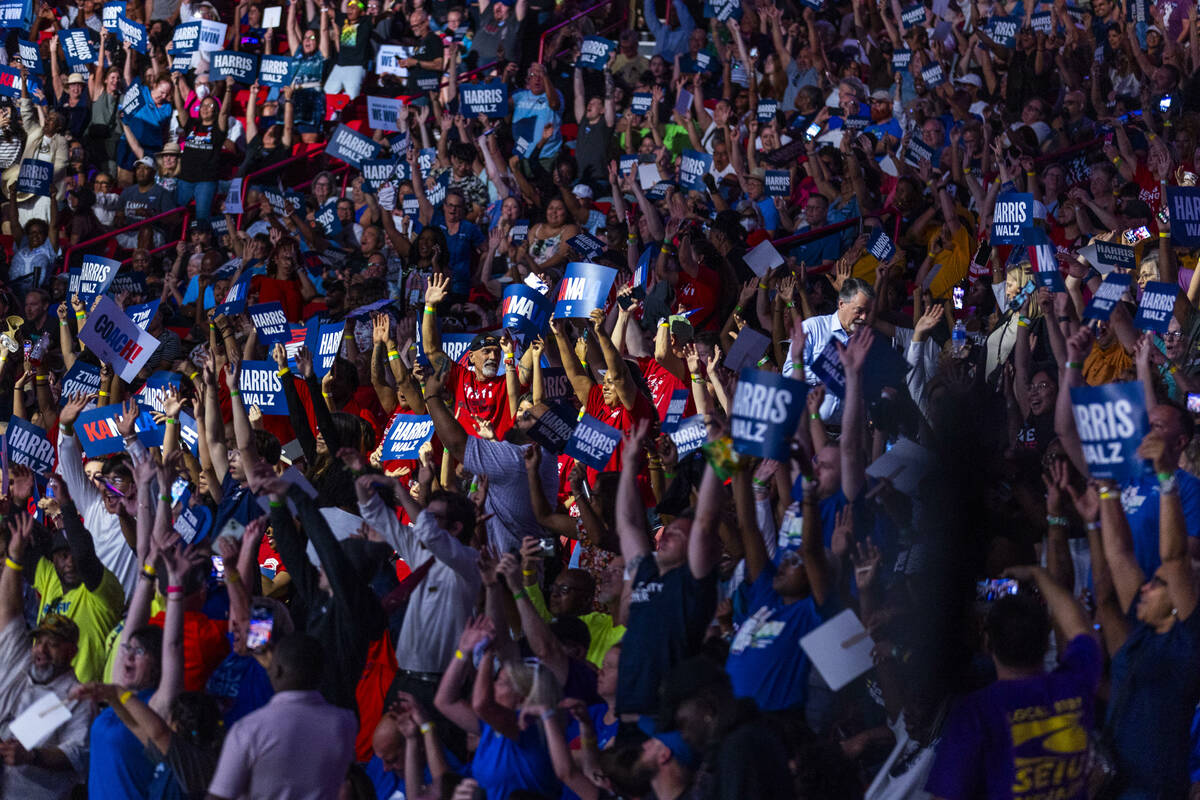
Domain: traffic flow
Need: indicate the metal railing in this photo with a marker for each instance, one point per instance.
(104, 237)
(319, 149)
(804, 237)
(563, 24)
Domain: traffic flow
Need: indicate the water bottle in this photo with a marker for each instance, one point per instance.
(958, 340)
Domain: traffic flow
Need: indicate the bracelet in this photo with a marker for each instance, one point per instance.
(737, 309)
(283, 371)
(166, 498)
(762, 286)
(42, 379)
(549, 713)
(1022, 323)
(529, 573)
(193, 376)
(758, 481)
(63, 323)
(174, 590)
(1164, 235)
(1074, 365)
(791, 304)
(458, 655)
(274, 504)
(520, 594)
(148, 570)
(103, 393)
(814, 417)
(666, 250)
(1055, 521)
(14, 566)
(1093, 526)
(696, 377)
(1167, 485)
(393, 355)
(80, 314)
(170, 421)
(1117, 160)
(426, 728)
(235, 393)
(1108, 494)
(430, 311)
(1030, 174)
(124, 697)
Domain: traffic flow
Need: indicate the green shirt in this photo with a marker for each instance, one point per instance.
(600, 625)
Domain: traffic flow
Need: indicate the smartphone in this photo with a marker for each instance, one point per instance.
(218, 568)
(1193, 402)
(682, 331)
(1135, 235)
(1026, 292)
(624, 301)
(982, 255)
(958, 297)
(262, 622)
(992, 590)
(1164, 105)
(812, 132)
(1108, 138)
(1163, 216)
(547, 546)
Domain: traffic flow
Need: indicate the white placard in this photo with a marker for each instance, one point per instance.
(116, 339)
(763, 258)
(233, 198)
(905, 465)
(342, 523)
(36, 724)
(840, 649)
(648, 175)
(272, 16)
(212, 36)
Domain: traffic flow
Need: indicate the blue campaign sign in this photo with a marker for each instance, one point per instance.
(16, 14)
(142, 314)
(276, 70)
(827, 366)
(553, 428)
(519, 231)
(154, 392)
(693, 167)
(28, 445)
(235, 298)
(556, 384)
(132, 100)
(455, 345)
(933, 75)
(594, 52)
(627, 163)
(378, 171)
(691, 433)
(489, 99)
(1184, 205)
(586, 245)
(95, 274)
(242, 67)
(97, 431)
(1114, 254)
(405, 436)
(350, 146)
(324, 342)
(524, 310)
(261, 386)
(82, 378)
(271, 322)
(131, 282)
(149, 432)
(881, 245)
(584, 287)
(108, 18)
(1045, 264)
(525, 138)
(1107, 295)
(131, 33)
(1003, 31)
(326, 216)
(901, 59)
(1042, 23)
(912, 16)
(185, 40)
(778, 182)
(10, 82)
(193, 523)
(1156, 307)
(189, 434)
(1111, 420)
(1012, 219)
(639, 104)
(31, 57)
(768, 107)
(678, 403)
(76, 47)
(592, 443)
(766, 409)
(35, 177)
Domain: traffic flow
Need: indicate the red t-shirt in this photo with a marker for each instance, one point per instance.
(286, 293)
(619, 417)
(270, 560)
(663, 383)
(699, 293)
(204, 647)
(486, 399)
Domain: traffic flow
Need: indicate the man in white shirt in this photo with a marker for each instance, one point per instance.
(856, 302)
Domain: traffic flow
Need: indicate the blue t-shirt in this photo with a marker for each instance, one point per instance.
(242, 681)
(827, 248)
(770, 214)
(462, 245)
(502, 766)
(889, 128)
(765, 660)
(237, 502)
(527, 104)
(1140, 499)
(149, 122)
(117, 765)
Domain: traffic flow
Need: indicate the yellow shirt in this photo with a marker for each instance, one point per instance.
(1105, 365)
(94, 612)
(603, 632)
(955, 260)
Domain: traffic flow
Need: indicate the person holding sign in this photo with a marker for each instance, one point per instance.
(542, 103)
(35, 245)
(311, 50)
(203, 141)
(38, 661)
(350, 36)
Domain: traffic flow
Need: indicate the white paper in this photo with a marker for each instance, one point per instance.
(342, 523)
(39, 721)
(272, 16)
(746, 350)
(648, 175)
(912, 461)
(763, 258)
(294, 476)
(233, 198)
(212, 36)
(840, 649)
(387, 55)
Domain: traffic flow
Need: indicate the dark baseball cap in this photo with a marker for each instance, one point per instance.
(482, 340)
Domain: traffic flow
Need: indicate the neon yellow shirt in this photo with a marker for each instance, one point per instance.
(600, 625)
(94, 612)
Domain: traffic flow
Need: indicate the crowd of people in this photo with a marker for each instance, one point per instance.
(735, 400)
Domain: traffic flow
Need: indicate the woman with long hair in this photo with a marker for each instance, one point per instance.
(286, 280)
(203, 139)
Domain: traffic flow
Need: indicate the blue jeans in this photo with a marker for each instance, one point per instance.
(201, 191)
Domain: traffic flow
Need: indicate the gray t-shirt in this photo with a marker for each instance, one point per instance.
(508, 489)
(797, 80)
(138, 204)
(491, 34)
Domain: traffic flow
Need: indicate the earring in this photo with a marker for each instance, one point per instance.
(1174, 612)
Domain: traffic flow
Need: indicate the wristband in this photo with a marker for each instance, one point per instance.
(762, 286)
(1164, 235)
(193, 376)
(814, 417)
(1108, 494)
(174, 590)
(458, 655)
(431, 311)
(166, 498)
(791, 304)
(1167, 485)
(1074, 365)
(549, 713)
(274, 504)
(42, 379)
(1023, 322)
(235, 393)
(103, 393)
(1029, 174)
(80, 314)
(283, 371)
(758, 481)
(393, 353)
(1117, 160)
(170, 421)
(1093, 526)
(520, 594)
(148, 570)
(1056, 521)
(14, 566)
(426, 728)
(63, 323)
(124, 697)
(529, 573)
(697, 378)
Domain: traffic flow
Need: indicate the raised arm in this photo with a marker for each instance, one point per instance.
(581, 381)
(1172, 527)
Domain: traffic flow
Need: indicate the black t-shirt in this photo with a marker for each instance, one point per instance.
(668, 615)
(422, 80)
(201, 159)
(591, 150)
(355, 41)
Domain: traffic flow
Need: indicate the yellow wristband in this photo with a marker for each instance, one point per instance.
(458, 656)
(80, 314)
(284, 371)
(125, 695)
(14, 566)
(148, 569)
(426, 727)
(103, 393)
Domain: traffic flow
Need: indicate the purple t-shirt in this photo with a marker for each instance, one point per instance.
(1023, 738)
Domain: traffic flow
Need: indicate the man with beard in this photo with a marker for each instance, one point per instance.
(480, 394)
(856, 299)
(36, 663)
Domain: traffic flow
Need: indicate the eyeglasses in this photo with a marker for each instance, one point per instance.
(1040, 387)
(102, 183)
(134, 649)
(560, 589)
(1173, 335)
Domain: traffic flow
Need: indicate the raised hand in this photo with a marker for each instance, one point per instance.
(438, 289)
(866, 559)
